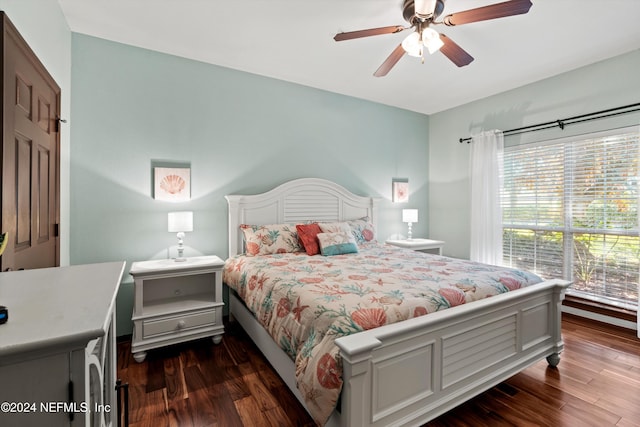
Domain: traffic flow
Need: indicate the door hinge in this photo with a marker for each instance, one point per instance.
(56, 230)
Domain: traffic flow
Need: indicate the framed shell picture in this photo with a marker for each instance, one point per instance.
(172, 184)
(400, 190)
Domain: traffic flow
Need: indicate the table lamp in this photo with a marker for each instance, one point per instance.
(180, 222)
(409, 216)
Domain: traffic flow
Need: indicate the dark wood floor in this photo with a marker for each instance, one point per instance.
(201, 384)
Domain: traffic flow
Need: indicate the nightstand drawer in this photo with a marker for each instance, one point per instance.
(178, 323)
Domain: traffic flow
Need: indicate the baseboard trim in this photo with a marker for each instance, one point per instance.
(600, 317)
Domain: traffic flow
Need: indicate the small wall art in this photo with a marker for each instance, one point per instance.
(172, 184)
(400, 190)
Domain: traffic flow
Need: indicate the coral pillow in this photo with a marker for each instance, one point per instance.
(308, 235)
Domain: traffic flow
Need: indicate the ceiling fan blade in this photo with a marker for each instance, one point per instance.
(366, 33)
(391, 60)
(498, 10)
(455, 53)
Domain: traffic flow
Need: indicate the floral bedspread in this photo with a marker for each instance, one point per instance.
(306, 302)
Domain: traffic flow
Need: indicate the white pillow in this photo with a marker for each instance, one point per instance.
(337, 243)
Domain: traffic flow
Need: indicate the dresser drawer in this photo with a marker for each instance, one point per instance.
(178, 323)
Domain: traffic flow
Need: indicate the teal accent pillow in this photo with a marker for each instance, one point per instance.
(337, 243)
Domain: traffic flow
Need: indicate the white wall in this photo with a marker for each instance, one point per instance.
(44, 27)
(608, 84)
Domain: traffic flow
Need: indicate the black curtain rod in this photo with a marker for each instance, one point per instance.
(561, 123)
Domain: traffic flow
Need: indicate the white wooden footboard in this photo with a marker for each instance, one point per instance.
(411, 372)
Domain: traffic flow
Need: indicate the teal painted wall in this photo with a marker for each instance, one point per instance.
(127, 107)
(240, 133)
(603, 85)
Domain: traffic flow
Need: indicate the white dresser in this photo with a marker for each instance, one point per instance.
(58, 348)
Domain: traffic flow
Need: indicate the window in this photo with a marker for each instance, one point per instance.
(570, 210)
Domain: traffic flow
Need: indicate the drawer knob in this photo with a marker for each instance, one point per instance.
(181, 324)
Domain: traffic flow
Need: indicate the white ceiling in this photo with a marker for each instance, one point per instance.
(292, 40)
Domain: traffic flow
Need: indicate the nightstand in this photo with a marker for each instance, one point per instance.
(423, 245)
(176, 301)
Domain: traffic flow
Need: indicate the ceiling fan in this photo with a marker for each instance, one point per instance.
(420, 14)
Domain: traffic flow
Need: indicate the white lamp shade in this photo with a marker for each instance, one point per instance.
(180, 221)
(413, 45)
(409, 215)
(431, 40)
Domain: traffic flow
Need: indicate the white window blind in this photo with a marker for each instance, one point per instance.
(570, 210)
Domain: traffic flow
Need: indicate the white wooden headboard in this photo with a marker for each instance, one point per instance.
(300, 200)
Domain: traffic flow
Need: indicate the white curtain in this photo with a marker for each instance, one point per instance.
(486, 214)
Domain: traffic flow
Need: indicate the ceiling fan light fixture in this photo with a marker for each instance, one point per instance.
(424, 9)
(420, 14)
(431, 39)
(413, 45)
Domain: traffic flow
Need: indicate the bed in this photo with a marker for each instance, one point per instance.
(403, 373)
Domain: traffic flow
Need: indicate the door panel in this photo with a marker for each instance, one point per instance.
(23, 96)
(44, 206)
(23, 193)
(30, 158)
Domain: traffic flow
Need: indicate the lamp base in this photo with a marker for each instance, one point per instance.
(180, 257)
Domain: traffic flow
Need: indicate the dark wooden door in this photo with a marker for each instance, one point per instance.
(30, 157)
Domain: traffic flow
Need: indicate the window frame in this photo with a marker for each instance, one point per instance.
(568, 229)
